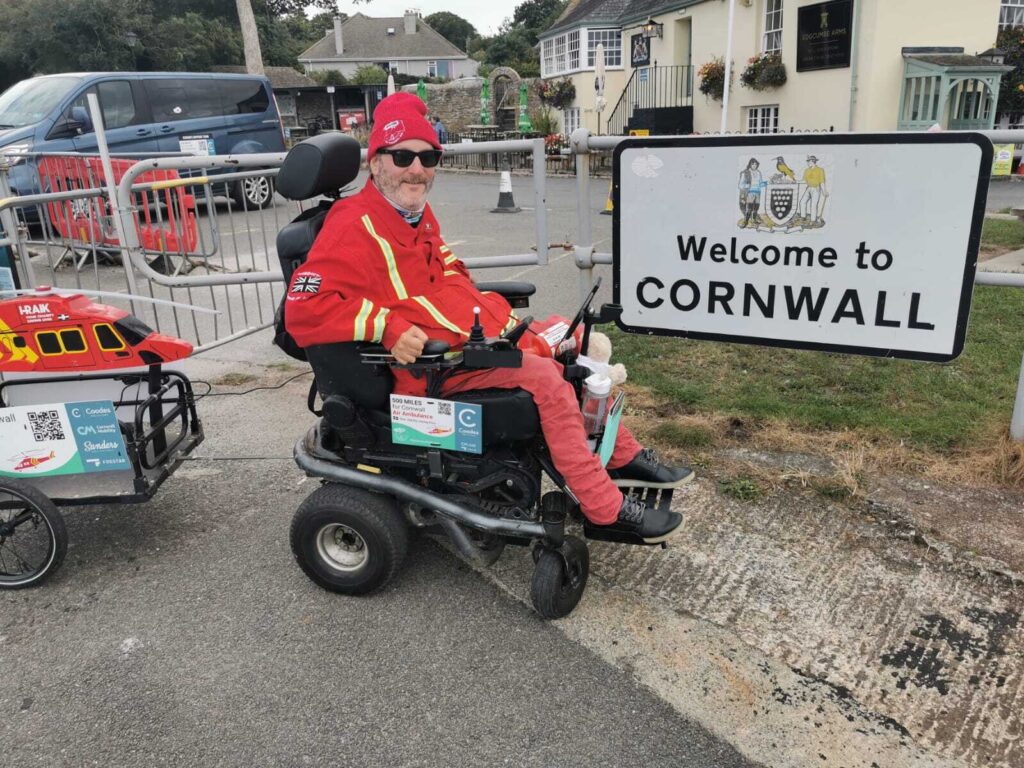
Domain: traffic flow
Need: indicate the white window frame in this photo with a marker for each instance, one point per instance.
(572, 45)
(393, 67)
(547, 57)
(570, 120)
(771, 40)
(431, 69)
(563, 54)
(612, 39)
(1011, 14)
(763, 118)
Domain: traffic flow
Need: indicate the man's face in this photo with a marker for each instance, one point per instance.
(407, 187)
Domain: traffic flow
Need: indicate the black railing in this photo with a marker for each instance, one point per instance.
(651, 88)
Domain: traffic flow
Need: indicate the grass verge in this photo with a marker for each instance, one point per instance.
(947, 421)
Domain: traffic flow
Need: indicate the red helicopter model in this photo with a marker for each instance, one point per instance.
(46, 331)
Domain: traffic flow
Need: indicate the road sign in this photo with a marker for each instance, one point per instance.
(864, 244)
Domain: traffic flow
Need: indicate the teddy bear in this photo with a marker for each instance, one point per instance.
(598, 357)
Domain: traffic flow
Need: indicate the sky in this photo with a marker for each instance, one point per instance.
(485, 15)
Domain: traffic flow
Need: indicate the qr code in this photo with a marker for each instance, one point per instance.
(45, 425)
(444, 409)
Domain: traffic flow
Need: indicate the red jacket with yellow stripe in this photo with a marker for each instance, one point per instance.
(370, 276)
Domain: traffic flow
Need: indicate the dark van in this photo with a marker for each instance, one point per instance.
(197, 113)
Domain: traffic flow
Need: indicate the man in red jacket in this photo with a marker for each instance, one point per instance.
(380, 271)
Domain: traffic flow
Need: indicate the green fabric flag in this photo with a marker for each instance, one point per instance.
(524, 119)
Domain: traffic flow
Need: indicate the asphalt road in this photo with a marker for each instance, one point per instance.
(180, 631)
(1005, 194)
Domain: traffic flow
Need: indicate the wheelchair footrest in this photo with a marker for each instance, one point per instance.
(655, 498)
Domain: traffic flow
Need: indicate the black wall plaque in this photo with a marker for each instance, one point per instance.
(823, 35)
(640, 51)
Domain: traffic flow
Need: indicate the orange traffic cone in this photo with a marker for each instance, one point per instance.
(609, 207)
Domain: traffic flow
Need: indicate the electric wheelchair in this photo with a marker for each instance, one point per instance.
(351, 534)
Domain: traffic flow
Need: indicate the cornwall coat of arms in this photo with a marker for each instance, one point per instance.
(785, 201)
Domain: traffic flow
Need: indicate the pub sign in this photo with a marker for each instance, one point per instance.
(640, 51)
(823, 35)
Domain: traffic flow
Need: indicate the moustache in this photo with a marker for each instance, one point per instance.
(415, 180)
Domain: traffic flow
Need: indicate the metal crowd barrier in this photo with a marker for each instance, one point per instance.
(232, 263)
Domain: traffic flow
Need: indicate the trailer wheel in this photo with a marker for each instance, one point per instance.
(33, 539)
(348, 540)
(560, 578)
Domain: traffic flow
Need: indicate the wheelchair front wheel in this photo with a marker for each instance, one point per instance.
(559, 578)
(349, 540)
(33, 539)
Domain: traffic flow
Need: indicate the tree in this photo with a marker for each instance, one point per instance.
(329, 77)
(369, 74)
(455, 29)
(1011, 91)
(250, 38)
(189, 42)
(515, 44)
(537, 15)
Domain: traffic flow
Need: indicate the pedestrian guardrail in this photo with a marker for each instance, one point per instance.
(230, 263)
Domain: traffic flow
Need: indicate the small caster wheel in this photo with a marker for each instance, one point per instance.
(560, 578)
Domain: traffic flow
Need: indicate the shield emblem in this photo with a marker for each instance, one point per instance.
(781, 203)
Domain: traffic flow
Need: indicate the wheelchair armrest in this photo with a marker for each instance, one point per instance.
(434, 351)
(516, 293)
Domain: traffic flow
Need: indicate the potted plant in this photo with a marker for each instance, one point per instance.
(764, 71)
(712, 78)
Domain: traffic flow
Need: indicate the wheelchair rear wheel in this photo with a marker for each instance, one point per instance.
(559, 578)
(349, 540)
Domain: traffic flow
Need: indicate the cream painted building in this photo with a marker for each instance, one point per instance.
(861, 65)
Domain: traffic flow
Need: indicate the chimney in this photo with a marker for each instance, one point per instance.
(338, 44)
(410, 22)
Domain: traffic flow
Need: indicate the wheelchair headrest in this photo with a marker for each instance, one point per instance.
(319, 165)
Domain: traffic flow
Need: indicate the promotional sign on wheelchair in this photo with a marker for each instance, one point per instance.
(822, 242)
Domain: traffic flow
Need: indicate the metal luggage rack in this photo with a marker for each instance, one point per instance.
(156, 446)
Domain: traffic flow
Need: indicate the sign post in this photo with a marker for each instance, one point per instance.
(863, 244)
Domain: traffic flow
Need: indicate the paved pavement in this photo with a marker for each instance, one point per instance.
(180, 632)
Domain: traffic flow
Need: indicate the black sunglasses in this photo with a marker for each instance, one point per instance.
(403, 157)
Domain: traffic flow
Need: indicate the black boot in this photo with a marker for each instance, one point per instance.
(645, 471)
(651, 524)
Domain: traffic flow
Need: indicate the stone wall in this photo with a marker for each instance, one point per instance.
(458, 103)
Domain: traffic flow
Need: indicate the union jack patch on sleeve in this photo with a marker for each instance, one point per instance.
(307, 283)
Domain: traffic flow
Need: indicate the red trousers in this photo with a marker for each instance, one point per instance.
(562, 425)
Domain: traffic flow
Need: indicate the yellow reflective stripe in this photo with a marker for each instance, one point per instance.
(449, 259)
(451, 272)
(434, 313)
(389, 257)
(510, 324)
(378, 324)
(445, 249)
(359, 333)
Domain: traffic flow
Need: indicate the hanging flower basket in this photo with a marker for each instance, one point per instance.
(558, 93)
(763, 72)
(712, 78)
